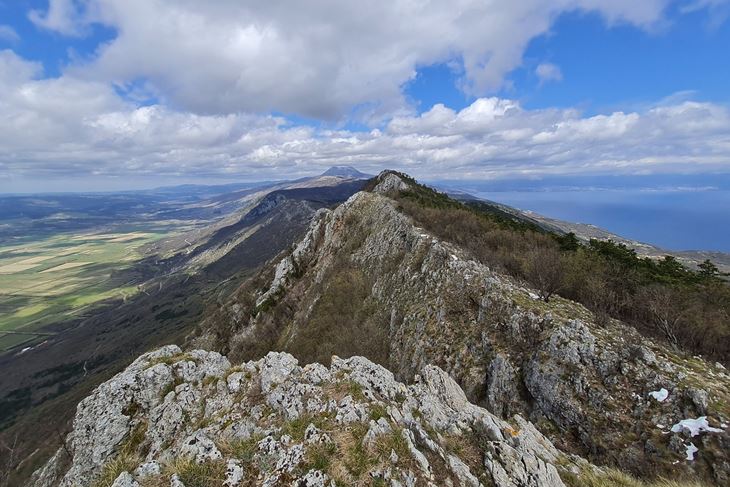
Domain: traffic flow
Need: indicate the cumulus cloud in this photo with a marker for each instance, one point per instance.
(75, 127)
(63, 16)
(322, 61)
(548, 72)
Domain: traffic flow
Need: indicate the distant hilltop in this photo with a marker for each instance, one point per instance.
(346, 172)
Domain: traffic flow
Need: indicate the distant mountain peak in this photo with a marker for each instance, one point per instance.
(345, 172)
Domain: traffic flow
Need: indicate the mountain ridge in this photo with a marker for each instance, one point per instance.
(507, 348)
(364, 279)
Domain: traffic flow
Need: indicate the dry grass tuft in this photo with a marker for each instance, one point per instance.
(124, 462)
(614, 478)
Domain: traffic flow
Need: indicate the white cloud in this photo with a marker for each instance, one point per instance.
(8, 34)
(219, 68)
(71, 127)
(322, 60)
(548, 72)
(63, 16)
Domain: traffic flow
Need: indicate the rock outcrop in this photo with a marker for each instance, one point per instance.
(190, 418)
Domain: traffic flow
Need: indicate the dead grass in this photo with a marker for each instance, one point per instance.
(193, 474)
(124, 462)
(615, 478)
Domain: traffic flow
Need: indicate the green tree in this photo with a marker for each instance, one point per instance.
(708, 270)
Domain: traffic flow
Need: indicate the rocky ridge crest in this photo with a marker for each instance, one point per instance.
(585, 385)
(171, 415)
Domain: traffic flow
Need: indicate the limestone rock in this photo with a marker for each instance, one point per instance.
(179, 426)
(125, 479)
(501, 387)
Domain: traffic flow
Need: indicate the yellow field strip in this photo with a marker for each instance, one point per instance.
(16, 267)
(66, 266)
(36, 260)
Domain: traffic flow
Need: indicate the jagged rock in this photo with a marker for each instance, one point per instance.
(376, 428)
(234, 473)
(421, 414)
(462, 472)
(125, 479)
(147, 469)
(417, 455)
(388, 183)
(699, 399)
(313, 478)
(101, 423)
(501, 387)
(200, 447)
(393, 457)
(275, 369)
(349, 411)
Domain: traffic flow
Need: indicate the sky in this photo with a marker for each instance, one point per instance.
(123, 94)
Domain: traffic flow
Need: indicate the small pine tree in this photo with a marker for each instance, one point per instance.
(708, 270)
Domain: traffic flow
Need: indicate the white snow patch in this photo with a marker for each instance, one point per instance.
(691, 450)
(533, 296)
(660, 395)
(454, 257)
(695, 426)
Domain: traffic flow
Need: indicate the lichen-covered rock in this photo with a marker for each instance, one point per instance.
(389, 182)
(347, 423)
(125, 479)
(501, 387)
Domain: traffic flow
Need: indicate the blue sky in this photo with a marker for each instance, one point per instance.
(606, 68)
(115, 93)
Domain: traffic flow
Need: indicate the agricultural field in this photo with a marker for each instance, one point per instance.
(57, 277)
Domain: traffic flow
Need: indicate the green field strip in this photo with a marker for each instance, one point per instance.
(33, 298)
(11, 341)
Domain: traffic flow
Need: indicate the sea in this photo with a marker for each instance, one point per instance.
(671, 219)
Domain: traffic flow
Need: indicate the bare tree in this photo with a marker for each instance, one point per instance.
(545, 270)
(8, 457)
(666, 310)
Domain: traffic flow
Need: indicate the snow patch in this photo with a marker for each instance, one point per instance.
(695, 426)
(691, 450)
(660, 395)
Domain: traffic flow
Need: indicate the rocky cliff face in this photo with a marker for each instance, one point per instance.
(191, 419)
(586, 386)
